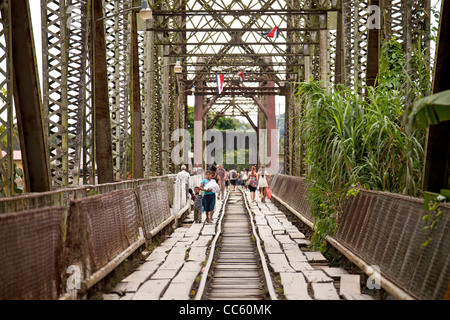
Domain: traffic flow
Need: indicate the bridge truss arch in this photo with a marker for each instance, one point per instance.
(92, 44)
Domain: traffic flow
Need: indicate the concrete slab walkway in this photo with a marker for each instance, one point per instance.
(170, 271)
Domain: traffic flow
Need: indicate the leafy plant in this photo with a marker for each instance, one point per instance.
(431, 204)
(355, 140)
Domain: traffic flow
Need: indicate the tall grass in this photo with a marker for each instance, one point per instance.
(359, 141)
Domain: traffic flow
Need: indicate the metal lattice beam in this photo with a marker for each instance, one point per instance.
(55, 99)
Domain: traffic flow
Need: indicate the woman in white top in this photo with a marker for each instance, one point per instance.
(262, 182)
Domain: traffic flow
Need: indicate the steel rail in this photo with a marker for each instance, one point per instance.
(202, 285)
(268, 280)
(266, 272)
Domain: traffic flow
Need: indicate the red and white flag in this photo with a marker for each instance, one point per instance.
(219, 80)
(241, 75)
(274, 33)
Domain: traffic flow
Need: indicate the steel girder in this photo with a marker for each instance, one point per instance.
(22, 82)
(67, 87)
(55, 99)
(6, 110)
(224, 36)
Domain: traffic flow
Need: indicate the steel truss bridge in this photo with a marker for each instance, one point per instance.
(111, 99)
(113, 90)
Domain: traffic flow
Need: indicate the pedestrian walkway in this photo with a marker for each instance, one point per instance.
(171, 270)
(304, 274)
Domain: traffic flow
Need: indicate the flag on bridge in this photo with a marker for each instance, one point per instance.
(274, 33)
(241, 75)
(219, 80)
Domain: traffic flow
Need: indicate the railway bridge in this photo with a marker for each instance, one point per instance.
(103, 101)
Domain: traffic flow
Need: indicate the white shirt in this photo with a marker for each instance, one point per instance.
(183, 175)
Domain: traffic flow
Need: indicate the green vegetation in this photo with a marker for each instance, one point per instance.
(222, 124)
(359, 140)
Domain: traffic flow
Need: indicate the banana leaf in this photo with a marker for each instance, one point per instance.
(430, 110)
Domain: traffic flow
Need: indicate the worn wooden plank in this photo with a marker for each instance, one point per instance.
(296, 235)
(324, 291)
(126, 287)
(301, 266)
(279, 263)
(284, 239)
(197, 254)
(315, 256)
(295, 286)
(159, 255)
(151, 290)
(202, 241)
(192, 266)
(350, 284)
(302, 242)
(164, 274)
(293, 253)
(177, 291)
(174, 264)
(335, 273)
(316, 276)
(348, 296)
(138, 276)
(273, 248)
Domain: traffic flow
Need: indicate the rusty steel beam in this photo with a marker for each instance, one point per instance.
(102, 120)
(437, 150)
(136, 141)
(264, 41)
(373, 51)
(7, 109)
(226, 30)
(28, 100)
(241, 12)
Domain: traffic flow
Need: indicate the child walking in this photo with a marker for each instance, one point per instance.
(197, 197)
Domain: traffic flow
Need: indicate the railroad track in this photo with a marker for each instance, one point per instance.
(236, 267)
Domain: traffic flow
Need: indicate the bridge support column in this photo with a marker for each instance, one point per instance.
(102, 120)
(198, 119)
(437, 150)
(27, 99)
(373, 50)
(267, 142)
(136, 120)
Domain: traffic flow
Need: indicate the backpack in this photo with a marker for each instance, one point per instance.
(233, 174)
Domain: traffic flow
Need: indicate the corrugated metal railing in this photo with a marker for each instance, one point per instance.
(91, 229)
(385, 230)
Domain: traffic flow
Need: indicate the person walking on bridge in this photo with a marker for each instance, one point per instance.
(262, 182)
(183, 175)
(252, 183)
(233, 178)
(223, 176)
(209, 195)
